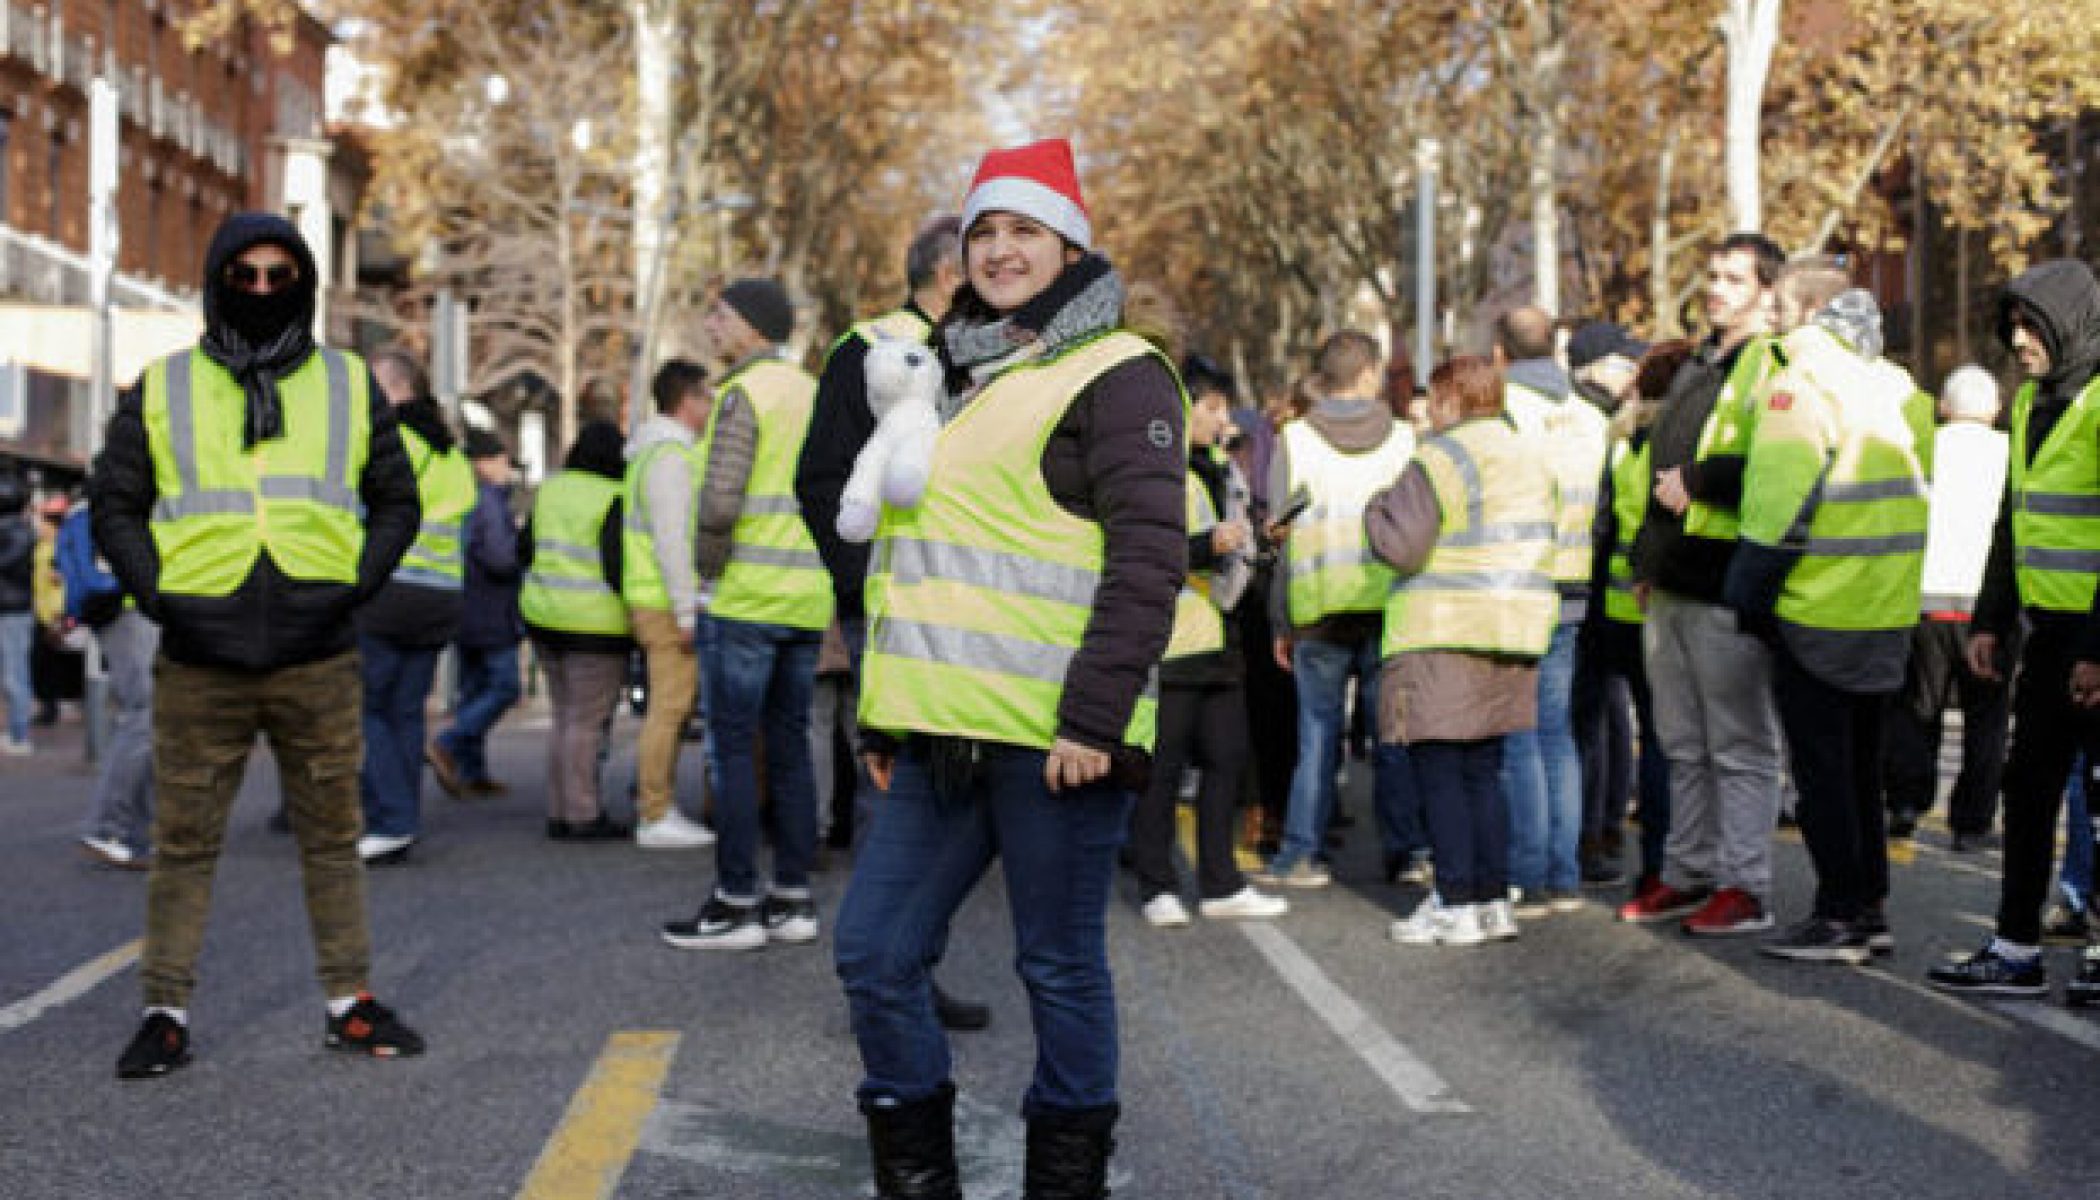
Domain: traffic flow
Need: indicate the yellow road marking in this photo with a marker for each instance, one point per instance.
(1902, 851)
(1185, 831)
(71, 986)
(598, 1135)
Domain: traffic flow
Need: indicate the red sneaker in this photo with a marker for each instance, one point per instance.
(1658, 901)
(1731, 911)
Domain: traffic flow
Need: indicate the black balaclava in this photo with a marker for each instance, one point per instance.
(259, 339)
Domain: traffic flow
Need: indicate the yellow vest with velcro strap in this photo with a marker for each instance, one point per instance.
(1575, 438)
(979, 597)
(641, 575)
(1328, 562)
(1199, 628)
(774, 575)
(294, 497)
(1728, 430)
(445, 484)
(1833, 475)
(901, 325)
(2056, 505)
(565, 591)
(1488, 585)
(1630, 485)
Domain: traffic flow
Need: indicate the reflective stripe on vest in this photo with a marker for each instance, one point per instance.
(1574, 438)
(1629, 505)
(1199, 628)
(1329, 563)
(445, 485)
(2056, 504)
(222, 505)
(979, 597)
(565, 591)
(774, 575)
(1728, 429)
(1488, 584)
(641, 573)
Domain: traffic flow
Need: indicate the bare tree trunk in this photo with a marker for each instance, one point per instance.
(1920, 262)
(655, 35)
(1961, 295)
(2074, 225)
(1751, 28)
(1660, 294)
(570, 332)
(1545, 213)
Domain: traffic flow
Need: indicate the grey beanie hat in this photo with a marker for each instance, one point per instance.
(764, 305)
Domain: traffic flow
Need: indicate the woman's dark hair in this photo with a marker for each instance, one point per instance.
(1473, 380)
(1659, 366)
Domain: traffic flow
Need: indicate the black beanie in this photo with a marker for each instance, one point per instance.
(764, 306)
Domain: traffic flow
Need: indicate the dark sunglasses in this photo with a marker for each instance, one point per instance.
(247, 275)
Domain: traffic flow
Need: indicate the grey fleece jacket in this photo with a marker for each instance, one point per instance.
(668, 492)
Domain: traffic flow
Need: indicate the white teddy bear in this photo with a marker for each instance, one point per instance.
(904, 391)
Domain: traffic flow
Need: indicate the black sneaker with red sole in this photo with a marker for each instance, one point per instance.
(370, 1027)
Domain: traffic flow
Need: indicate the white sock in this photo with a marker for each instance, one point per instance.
(180, 1015)
(341, 1004)
(2014, 951)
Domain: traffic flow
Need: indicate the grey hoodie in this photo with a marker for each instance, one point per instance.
(668, 493)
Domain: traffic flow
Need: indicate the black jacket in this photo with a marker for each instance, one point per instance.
(489, 615)
(17, 564)
(840, 423)
(1664, 554)
(2063, 300)
(271, 620)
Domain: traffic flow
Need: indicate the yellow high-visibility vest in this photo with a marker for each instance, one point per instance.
(979, 597)
(2056, 505)
(1199, 628)
(1328, 563)
(1488, 585)
(445, 483)
(774, 575)
(565, 590)
(222, 506)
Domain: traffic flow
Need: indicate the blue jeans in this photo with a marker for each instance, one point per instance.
(1461, 786)
(16, 630)
(1542, 775)
(759, 679)
(920, 860)
(2075, 877)
(397, 686)
(1321, 671)
(488, 686)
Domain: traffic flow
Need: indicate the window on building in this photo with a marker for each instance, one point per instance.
(53, 190)
(7, 124)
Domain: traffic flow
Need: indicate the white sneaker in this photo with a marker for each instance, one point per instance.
(1432, 924)
(111, 851)
(1165, 911)
(379, 847)
(16, 749)
(675, 831)
(1244, 905)
(1497, 922)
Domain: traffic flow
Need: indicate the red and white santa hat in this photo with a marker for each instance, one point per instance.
(1038, 181)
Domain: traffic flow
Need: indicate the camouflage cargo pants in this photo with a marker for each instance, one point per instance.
(205, 721)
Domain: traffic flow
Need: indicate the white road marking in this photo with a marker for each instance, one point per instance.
(2043, 1014)
(68, 987)
(1411, 1079)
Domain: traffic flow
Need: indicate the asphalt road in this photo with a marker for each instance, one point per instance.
(573, 1054)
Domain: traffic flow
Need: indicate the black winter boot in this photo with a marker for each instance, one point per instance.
(913, 1147)
(1068, 1153)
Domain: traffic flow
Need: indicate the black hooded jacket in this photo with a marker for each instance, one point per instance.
(2062, 300)
(271, 620)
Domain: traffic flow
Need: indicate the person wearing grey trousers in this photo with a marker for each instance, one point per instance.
(120, 825)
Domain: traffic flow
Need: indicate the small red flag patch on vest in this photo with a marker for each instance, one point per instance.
(1782, 401)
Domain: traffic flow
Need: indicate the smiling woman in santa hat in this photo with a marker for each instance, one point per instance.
(1015, 618)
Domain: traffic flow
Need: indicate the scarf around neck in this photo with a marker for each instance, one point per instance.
(259, 369)
(1084, 300)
